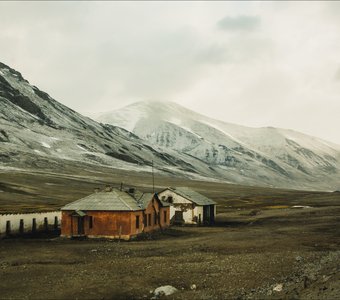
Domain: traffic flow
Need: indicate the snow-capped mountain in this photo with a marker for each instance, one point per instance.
(37, 132)
(264, 156)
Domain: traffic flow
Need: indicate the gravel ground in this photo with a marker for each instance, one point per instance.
(274, 254)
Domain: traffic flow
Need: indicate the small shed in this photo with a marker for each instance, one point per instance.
(113, 213)
(188, 206)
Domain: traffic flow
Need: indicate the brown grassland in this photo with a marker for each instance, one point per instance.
(259, 241)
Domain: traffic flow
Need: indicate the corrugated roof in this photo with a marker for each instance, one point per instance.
(192, 195)
(115, 200)
(144, 199)
(79, 213)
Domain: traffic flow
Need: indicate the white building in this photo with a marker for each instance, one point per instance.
(188, 206)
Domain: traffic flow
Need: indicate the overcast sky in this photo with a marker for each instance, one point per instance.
(251, 63)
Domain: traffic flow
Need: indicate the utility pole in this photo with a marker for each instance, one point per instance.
(153, 179)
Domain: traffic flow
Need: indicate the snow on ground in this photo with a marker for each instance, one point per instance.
(175, 121)
(45, 145)
(192, 132)
(126, 118)
(301, 206)
(14, 81)
(224, 132)
(8, 168)
(27, 113)
(81, 148)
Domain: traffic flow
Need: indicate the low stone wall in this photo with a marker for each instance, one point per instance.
(15, 224)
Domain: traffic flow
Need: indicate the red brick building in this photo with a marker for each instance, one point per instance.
(114, 214)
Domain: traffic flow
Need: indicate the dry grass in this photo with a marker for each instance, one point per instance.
(42, 191)
(276, 206)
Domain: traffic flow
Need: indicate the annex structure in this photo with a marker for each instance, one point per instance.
(188, 206)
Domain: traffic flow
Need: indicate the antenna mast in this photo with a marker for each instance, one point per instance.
(153, 179)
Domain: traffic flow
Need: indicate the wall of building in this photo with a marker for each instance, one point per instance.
(27, 219)
(115, 224)
(104, 224)
(198, 212)
(155, 209)
(180, 203)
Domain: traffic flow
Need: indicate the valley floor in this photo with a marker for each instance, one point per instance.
(246, 255)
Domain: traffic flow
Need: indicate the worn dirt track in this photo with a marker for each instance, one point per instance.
(244, 257)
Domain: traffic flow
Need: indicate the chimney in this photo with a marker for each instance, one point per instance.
(108, 188)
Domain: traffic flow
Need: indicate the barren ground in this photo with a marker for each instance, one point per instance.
(259, 242)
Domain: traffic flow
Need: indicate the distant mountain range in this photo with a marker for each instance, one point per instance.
(262, 156)
(39, 133)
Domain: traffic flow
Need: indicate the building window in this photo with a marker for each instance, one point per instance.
(145, 220)
(170, 199)
(137, 222)
(149, 219)
(164, 216)
(155, 218)
(90, 222)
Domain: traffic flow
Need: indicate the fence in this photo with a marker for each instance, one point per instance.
(13, 224)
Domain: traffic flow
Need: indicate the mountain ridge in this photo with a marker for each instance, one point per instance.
(39, 133)
(220, 144)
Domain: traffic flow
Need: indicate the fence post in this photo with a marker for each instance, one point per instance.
(55, 223)
(34, 225)
(21, 227)
(45, 224)
(8, 227)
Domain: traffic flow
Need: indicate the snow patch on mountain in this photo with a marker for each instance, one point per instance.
(45, 145)
(274, 156)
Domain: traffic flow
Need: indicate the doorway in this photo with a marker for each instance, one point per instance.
(178, 217)
(81, 230)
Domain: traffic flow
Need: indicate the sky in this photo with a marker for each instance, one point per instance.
(251, 63)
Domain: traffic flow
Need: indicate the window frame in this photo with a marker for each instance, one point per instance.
(90, 222)
(137, 222)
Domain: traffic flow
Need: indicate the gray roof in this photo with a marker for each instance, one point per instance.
(192, 195)
(114, 200)
(144, 198)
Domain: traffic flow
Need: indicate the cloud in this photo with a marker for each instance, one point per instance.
(263, 62)
(242, 22)
(337, 75)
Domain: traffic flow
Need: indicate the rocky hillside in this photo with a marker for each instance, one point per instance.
(262, 156)
(37, 132)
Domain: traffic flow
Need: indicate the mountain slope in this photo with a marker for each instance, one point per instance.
(266, 156)
(38, 132)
